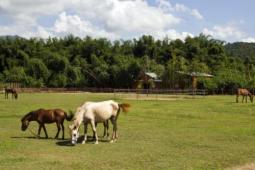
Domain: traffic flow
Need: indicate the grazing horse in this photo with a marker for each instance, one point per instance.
(244, 93)
(13, 91)
(43, 116)
(96, 112)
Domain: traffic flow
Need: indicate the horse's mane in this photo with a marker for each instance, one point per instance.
(28, 114)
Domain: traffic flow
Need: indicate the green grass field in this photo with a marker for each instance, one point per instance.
(206, 133)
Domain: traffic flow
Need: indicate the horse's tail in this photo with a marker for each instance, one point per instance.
(70, 116)
(124, 107)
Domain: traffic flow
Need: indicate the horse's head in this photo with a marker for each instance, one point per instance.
(74, 128)
(251, 98)
(74, 132)
(24, 124)
(25, 121)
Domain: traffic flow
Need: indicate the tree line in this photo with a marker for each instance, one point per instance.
(87, 62)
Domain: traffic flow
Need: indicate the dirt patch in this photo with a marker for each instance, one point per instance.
(250, 166)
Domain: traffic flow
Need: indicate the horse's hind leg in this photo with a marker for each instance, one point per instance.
(114, 133)
(237, 98)
(243, 99)
(58, 126)
(106, 129)
(63, 130)
(94, 130)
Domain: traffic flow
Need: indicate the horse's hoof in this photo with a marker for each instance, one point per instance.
(83, 142)
(96, 143)
(111, 141)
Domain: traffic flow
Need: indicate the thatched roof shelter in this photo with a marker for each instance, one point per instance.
(194, 76)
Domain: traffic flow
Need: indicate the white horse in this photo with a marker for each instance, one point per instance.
(96, 112)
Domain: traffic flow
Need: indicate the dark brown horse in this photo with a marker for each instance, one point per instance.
(13, 91)
(245, 93)
(43, 116)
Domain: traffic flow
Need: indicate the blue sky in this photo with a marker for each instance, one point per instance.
(127, 19)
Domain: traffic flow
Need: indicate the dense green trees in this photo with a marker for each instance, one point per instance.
(75, 62)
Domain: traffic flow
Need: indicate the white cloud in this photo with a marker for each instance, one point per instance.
(181, 8)
(73, 24)
(25, 32)
(108, 18)
(249, 39)
(167, 6)
(230, 32)
(173, 34)
(196, 14)
(225, 32)
(39, 32)
(138, 16)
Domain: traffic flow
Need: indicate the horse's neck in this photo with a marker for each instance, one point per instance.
(31, 117)
(78, 119)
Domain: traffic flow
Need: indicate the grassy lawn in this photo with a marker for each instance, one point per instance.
(206, 133)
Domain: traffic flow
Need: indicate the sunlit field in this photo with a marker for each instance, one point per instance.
(211, 132)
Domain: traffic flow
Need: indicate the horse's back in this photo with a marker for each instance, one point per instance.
(50, 115)
(101, 111)
(242, 91)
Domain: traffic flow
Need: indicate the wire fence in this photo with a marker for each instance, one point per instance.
(138, 94)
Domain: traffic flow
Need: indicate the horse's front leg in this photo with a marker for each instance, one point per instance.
(46, 135)
(243, 99)
(237, 98)
(58, 126)
(85, 133)
(94, 130)
(39, 131)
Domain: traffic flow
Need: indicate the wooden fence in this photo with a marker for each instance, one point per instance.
(162, 94)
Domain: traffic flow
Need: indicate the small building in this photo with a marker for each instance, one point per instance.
(147, 80)
(194, 76)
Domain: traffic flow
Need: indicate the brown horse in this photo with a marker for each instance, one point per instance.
(244, 93)
(43, 116)
(13, 91)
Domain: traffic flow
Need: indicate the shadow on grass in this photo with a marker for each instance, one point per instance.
(234, 102)
(33, 137)
(90, 140)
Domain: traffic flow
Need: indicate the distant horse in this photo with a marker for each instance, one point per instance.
(96, 112)
(244, 93)
(43, 116)
(13, 91)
